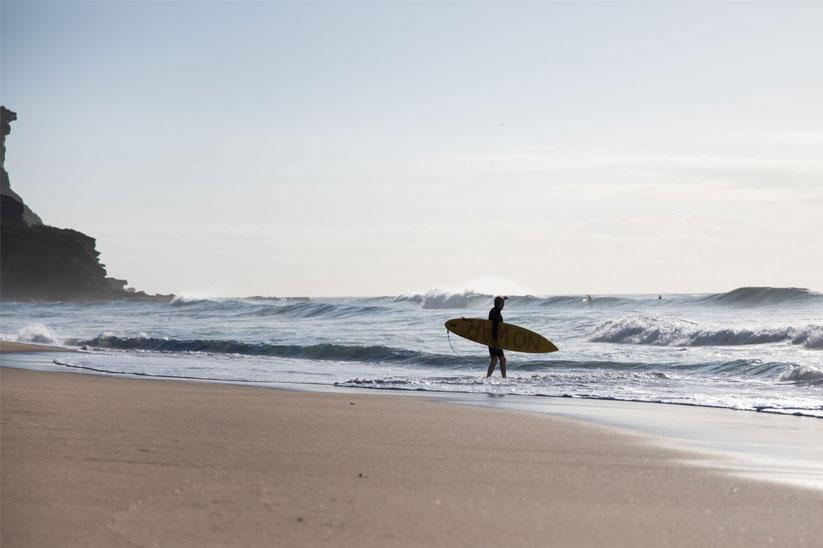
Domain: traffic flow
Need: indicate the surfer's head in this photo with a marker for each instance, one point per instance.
(500, 301)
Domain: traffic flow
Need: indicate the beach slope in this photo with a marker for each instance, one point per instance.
(100, 461)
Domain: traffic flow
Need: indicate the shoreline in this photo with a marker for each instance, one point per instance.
(764, 446)
(9, 347)
(186, 463)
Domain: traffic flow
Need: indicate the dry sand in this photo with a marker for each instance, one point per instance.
(100, 461)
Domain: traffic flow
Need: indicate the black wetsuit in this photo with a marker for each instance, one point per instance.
(496, 318)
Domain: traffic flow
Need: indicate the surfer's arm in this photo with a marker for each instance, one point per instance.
(496, 321)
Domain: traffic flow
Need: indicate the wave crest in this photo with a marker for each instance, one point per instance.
(321, 352)
(315, 310)
(802, 374)
(436, 299)
(763, 296)
(675, 332)
(810, 337)
(37, 333)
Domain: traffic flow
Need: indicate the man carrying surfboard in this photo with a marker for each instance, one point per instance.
(495, 352)
(497, 336)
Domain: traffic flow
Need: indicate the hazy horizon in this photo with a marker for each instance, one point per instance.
(445, 292)
(319, 149)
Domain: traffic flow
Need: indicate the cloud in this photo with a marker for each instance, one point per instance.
(551, 160)
(799, 138)
(632, 170)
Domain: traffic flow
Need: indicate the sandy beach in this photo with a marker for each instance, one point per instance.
(11, 346)
(411, 274)
(100, 461)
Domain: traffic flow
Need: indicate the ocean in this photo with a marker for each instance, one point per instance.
(758, 349)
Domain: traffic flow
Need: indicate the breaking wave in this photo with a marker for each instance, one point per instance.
(738, 369)
(588, 301)
(437, 299)
(315, 310)
(811, 337)
(675, 332)
(269, 306)
(36, 333)
(803, 374)
(323, 352)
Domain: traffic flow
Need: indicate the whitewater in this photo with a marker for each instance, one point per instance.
(758, 349)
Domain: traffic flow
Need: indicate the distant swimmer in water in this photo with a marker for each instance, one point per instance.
(495, 352)
(589, 299)
(660, 297)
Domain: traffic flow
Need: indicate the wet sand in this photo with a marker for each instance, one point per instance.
(9, 346)
(99, 461)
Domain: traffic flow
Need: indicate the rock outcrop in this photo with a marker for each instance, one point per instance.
(44, 263)
(6, 118)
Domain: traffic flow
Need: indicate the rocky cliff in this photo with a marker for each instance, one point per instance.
(40, 262)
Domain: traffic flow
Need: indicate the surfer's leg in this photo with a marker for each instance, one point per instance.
(503, 366)
(492, 365)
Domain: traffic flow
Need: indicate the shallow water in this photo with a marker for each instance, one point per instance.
(752, 348)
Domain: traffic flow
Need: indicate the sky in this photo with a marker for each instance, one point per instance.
(380, 148)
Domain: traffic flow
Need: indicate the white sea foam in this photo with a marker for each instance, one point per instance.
(799, 373)
(680, 349)
(678, 332)
(810, 337)
(436, 299)
(37, 333)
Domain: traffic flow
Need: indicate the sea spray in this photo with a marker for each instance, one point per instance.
(37, 333)
(676, 332)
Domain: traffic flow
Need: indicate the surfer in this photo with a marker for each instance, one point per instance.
(494, 350)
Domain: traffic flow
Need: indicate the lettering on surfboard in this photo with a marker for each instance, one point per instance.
(480, 331)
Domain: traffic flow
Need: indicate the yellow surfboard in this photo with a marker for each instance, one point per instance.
(510, 336)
